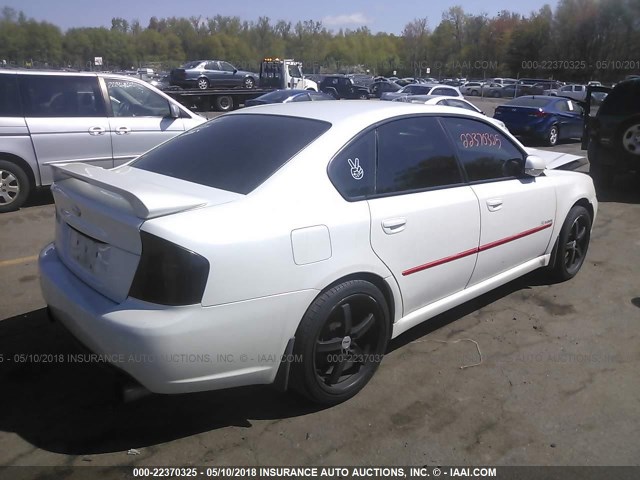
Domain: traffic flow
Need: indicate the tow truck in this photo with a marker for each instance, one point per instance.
(275, 73)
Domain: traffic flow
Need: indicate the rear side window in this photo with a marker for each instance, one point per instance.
(218, 154)
(353, 170)
(61, 96)
(414, 154)
(9, 97)
(485, 153)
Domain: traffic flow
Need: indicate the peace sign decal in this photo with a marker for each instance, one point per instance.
(356, 170)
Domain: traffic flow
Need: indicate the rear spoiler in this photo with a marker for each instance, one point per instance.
(146, 199)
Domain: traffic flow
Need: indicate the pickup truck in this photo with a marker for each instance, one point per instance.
(339, 86)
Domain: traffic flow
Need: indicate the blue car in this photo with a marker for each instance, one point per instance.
(545, 118)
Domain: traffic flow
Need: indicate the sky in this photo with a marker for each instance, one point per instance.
(379, 15)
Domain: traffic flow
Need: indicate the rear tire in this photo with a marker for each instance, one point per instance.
(14, 186)
(224, 103)
(203, 83)
(341, 340)
(572, 245)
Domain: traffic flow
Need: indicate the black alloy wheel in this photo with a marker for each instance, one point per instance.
(573, 243)
(341, 339)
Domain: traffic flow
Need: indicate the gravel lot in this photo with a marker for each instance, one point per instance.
(557, 384)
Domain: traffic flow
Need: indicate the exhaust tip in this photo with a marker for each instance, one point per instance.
(130, 391)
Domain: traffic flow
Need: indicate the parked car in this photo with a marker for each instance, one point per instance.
(541, 88)
(419, 89)
(387, 215)
(502, 81)
(502, 91)
(287, 96)
(542, 117)
(576, 92)
(613, 135)
(340, 86)
(471, 89)
(204, 74)
(379, 87)
(50, 117)
(445, 101)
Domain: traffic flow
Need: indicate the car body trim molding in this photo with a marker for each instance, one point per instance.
(473, 251)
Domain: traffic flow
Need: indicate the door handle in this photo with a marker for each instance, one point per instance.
(123, 130)
(96, 131)
(494, 204)
(394, 225)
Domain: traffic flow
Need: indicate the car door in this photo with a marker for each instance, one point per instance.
(212, 71)
(67, 120)
(229, 75)
(516, 211)
(569, 120)
(140, 119)
(425, 221)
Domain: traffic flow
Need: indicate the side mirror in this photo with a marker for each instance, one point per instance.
(235, 70)
(175, 110)
(534, 166)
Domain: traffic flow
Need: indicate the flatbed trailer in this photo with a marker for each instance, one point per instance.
(223, 100)
(274, 74)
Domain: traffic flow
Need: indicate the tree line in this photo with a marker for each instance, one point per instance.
(578, 41)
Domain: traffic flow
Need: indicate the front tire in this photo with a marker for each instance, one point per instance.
(340, 340)
(552, 136)
(14, 186)
(573, 242)
(249, 83)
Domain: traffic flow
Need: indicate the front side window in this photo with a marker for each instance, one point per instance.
(61, 96)
(131, 99)
(226, 67)
(485, 153)
(217, 153)
(414, 154)
(353, 170)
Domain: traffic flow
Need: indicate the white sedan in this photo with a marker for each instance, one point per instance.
(213, 261)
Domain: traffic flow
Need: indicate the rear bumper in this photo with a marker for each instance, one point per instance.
(176, 349)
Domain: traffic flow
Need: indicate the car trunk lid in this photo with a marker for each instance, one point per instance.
(99, 214)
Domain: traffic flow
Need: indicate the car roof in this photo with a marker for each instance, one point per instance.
(352, 115)
(60, 73)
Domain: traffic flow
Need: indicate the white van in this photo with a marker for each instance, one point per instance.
(60, 117)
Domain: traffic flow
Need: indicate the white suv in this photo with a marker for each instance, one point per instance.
(100, 119)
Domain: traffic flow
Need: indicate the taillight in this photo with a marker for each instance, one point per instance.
(169, 274)
(539, 113)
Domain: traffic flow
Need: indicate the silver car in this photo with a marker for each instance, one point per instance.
(105, 120)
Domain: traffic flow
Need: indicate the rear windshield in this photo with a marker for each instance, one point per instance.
(528, 102)
(236, 153)
(191, 64)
